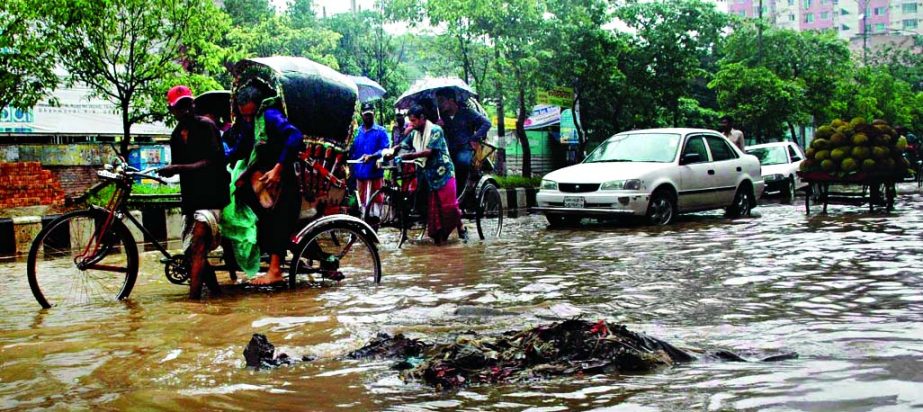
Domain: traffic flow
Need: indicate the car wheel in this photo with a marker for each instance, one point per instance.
(788, 191)
(556, 221)
(661, 209)
(743, 203)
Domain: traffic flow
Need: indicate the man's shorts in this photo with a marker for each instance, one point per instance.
(211, 218)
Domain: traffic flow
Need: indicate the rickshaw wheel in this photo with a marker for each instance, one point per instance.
(336, 253)
(489, 212)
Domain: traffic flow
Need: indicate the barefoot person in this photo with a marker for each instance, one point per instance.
(275, 144)
(198, 158)
(432, 153)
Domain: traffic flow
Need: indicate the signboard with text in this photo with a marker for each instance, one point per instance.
(15, 120)
(558, 96)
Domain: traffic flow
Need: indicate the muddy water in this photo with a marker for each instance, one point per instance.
(845, 291)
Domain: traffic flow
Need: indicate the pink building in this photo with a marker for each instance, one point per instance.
(816, 15)
(742, 8)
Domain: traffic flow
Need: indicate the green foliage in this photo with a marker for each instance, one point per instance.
(248, 12)
(27, 54)
(102, 197)
(512, 182)
(674, 43)
(276, 36)
(126, 49)
(756, 98)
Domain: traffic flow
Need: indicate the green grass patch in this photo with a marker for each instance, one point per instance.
(102, 197)
(512, 182)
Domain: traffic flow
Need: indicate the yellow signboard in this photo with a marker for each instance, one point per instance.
(558, 96)
(509, 123)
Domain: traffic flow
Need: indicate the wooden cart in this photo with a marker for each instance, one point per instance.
(875, 189)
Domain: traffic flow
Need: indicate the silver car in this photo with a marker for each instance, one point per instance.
(655, 173)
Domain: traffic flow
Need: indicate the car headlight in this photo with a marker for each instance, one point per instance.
(773, 178)
(632, 184)
(549, 185)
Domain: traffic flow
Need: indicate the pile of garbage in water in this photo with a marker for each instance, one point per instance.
(571, 347)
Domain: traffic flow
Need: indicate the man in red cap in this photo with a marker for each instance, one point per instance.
(198, 158)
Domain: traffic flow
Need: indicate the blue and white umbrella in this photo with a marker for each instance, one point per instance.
(369, 89)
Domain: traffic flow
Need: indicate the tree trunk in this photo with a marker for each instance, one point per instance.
(501, 118)
(578, 123)
(791, 129)
(126, 130)
(521, 128)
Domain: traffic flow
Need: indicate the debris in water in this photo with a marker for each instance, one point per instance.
(564, 348)
(259, 353)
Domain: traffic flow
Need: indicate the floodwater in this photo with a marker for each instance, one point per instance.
(844, 290)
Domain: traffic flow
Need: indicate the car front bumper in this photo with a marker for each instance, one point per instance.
(599, 203)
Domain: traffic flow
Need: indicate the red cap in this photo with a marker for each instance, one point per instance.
(178, 93)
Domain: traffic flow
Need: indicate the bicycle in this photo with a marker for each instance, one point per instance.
(90, 255)
(400, 208)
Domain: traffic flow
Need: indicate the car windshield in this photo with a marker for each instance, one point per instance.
(774, 155)
(636, 147)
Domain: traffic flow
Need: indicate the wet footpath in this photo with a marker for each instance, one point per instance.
(843, 290)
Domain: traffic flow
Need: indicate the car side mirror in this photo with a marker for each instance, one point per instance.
(691, 158)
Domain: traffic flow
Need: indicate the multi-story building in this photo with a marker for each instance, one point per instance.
(852, 19)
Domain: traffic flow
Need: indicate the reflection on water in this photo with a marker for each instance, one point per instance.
(842, 290)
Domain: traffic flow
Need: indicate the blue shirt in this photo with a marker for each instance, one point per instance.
(466, 126)
(368, 142)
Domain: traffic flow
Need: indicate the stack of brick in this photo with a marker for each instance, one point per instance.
(27, 184)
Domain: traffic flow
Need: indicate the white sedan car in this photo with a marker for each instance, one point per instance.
(654, 173)
(780, 161)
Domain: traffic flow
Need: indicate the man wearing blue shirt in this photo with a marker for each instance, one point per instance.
(463, 128)
(370, 141)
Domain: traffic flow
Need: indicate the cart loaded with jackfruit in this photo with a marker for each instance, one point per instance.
(854, 162)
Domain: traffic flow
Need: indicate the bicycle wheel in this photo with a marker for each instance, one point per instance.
(73, 261)
(388, 217)
(337, 252)
(489, 212)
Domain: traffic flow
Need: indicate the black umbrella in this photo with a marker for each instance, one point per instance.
(215, 102)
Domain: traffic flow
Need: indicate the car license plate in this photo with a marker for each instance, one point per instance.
(575, 202)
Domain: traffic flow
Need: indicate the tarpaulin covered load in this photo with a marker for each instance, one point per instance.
(318, 100)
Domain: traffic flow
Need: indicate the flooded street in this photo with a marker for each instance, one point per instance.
(844, 291)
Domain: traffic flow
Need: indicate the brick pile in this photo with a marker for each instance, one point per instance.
(27, 184)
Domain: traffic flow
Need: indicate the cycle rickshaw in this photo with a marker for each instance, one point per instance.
(90, 255)
(396, 204)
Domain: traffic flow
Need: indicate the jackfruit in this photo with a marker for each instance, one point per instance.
(846, 130)
(824, 132)
(849, 164)
(868, 165)
(822, 155)
(857, 121)
(901, 143)
(860, 139)
(877, 122)
(820, 144)
(808, 165)
(861, 152)
(838, 139)
(837, 123)
(827, 165)
(838, 154)
(810, 153)
(880, 152)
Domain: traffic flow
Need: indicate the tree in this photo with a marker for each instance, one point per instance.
(819, 60)
(301, 13)
(671, 46)
(757, 99)
(125, 50)
(589, 63)
(27, 54)
(366, 49)
(248, 12)
(276, 36)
